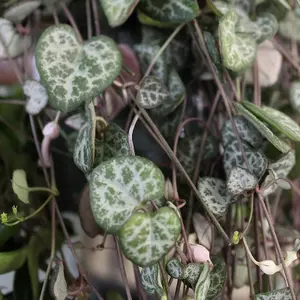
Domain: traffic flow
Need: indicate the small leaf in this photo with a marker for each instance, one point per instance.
(267, 27)
(238, 50)
(282, 294)
(74, 73)
(146, 237)
(289, 27)
(269, 185)
(151, 93)
(20, 11)
(119, 185)
(75, 121)
(233, 157)
(12, 260)
(20, 186)
(191, 273)
(203, 230)
(276, 119)
(37, 96)
(240, 181)
(218, 277)
(283, 166)
(244, 5)
(118, 11)
(149, 277)
(170, 10)
(245, 129)
(263, 129)
(58, 284)
(295, 95)
(203, 284)
(214, 194)
(174, 268)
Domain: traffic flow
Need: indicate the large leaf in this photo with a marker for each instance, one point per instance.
(174, 268)
(203, 284)
(151, 93)
(170, 10)
(240, 181)
(113, 144)
(263, 129)
(119, 185)
(150, 280)
(282, 294)
(276, 119)
(12, 260)
(214, 194)
(146, 237)
(245, 129)
(233, 157)
(238, 50)
(20, 186)
(118, 11)
(74, 73)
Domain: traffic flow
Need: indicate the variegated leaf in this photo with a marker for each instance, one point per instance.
(37, 96)
(282, 294)
(269, 185)
(118, 11)
(283, 166)
(203, 284)
(238, 50)
(218, 277)
(289, 27)
(263, 129)
(119, 185)
(244, 5)
(146, 237)
(74, 73)
(170, 10)
(174, 268)
(114, 144)
(240, 181)
(276, 119)
(295, 95)
(151, 93)
(191, 273)
(84, 150)
(145, 54)
(203, 229)
(20, 11)
(152, 36)
(214, 194)
(267, 27)
(233, 157)
(149, 278)
(245, 129)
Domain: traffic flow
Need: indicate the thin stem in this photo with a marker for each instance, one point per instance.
(122, 270)
(96, 17)
(41, 189)
(55, 16)
(130, 133)
(249, 252)
(14, 102)
(71, 20)
(163, 48)
(88, 18)
(250, 218)
(268, 217)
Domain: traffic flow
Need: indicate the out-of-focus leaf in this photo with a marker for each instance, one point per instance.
(6, 232)
(12, 260)
(22, 288)
(20, 186)
(58, 284)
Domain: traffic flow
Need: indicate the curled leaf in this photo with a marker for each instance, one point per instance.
(58, 284)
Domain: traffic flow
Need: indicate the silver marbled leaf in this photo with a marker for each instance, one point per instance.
(191, 273)
(149, 278)
(174, 268)
(282, 294)
(203, 283)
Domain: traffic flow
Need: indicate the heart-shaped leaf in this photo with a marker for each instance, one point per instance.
(146, 237)
(84, 151)
(282, 294)
(37, 96)
(118, 11)
(12, 260)
(218, 277)
(74, 73)
(240, 181)
(191, 273)
(238, 50)
(170, 10)
(119, 185)
(263, 129)
(58, 284)
(149, 277)
(290, 26)
(267, 27)
(203, 284)
(245, 129)
(20, 185)
(14, 43)
(295, 95)
(20, 11)
(276, 119)
(233, 157)
(214, 194)
(114, 143)
(278, 8)
(174, 268)
(152, 92)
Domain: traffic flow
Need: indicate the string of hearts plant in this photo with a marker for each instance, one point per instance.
(198, 175)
